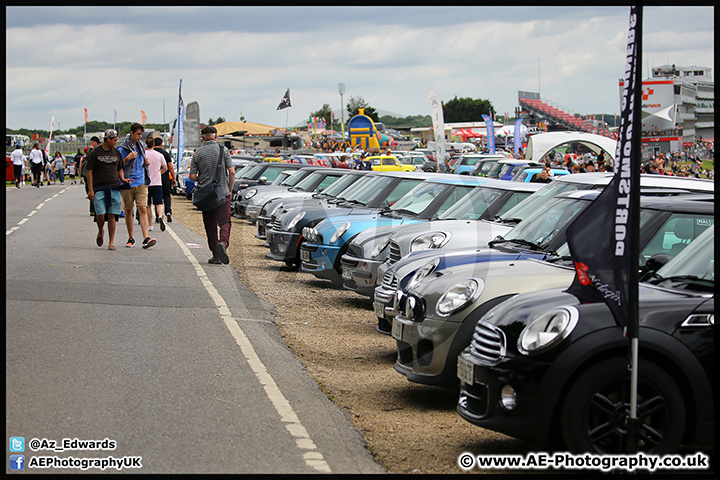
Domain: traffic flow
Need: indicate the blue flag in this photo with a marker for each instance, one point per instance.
(490, 133)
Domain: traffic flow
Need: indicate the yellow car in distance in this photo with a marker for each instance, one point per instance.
(388, 163)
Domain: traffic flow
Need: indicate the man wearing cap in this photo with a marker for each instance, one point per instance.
(135, 161)
(203, 170)
(104, 177)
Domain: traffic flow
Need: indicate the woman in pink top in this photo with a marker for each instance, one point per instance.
(155, 166)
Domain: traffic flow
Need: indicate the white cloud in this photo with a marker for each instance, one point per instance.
(242, 59)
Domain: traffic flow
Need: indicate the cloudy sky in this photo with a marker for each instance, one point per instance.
(240, 60)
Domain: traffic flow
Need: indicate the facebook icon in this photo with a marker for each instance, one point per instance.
(17, 462)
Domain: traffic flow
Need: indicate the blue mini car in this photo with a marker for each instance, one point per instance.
(328, 241)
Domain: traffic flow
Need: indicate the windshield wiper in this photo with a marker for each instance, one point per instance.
(520, 241)
(500, 219)
(680, 278)
(401, 211)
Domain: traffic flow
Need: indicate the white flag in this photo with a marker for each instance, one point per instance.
(436, 112)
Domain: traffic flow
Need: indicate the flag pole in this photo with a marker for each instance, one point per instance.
(633, 296)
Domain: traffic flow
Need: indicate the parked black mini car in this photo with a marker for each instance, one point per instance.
(543, 366)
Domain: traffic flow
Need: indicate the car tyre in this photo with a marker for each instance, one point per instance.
(593, 414)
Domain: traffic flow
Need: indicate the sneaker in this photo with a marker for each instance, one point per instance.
(215, 261)
(169, 218)
(148, 242)
(130, 243)
(162, 224)
(150, 228)
(221, 252)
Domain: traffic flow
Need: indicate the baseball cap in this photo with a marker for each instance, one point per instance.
(110, 133)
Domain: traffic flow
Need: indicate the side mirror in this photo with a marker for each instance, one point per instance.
(262, 180)
(652, 265)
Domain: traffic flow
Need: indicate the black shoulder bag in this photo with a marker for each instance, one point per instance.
(212, 194)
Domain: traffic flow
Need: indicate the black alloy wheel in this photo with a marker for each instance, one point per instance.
(597, 405)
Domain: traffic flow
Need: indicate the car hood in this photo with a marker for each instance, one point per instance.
(457, 262)
(499, 275)
(658, 308)
(359, 223)
(462, 233)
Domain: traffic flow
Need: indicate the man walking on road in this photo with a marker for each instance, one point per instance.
(104, 174)
(203, 170)
(135, 160)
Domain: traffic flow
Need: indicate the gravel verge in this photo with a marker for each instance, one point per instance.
(409, 428)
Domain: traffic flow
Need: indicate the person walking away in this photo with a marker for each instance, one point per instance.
(18, 159)
(49, 169)
(156, 167)
(104, 177)
(60, 165)
(168, 179)
(36, 165)
(71, 172)
(135, 161)
(203, 170)
(94, 143)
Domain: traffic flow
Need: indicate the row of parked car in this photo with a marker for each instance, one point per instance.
(468, 274)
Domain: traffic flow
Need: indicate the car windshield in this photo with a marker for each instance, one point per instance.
(534, 203)
(369, 190)
(469, 160)
(695, 261)
(309, 182)
(342, 184)
(474, 205)
(252, 172)
(294, 178)
(541, 228)
(271, 173)
(417, 199)
(495, 170)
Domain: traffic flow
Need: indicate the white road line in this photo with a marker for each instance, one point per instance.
(8, 232)
(312, 457)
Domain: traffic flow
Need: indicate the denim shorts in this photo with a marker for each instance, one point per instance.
(101, 197)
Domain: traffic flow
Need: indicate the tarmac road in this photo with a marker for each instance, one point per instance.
(176, 363)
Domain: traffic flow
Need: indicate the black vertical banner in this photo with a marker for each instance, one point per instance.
(604, 239)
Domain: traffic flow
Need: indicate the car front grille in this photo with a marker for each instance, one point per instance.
(488, 343)
(394, 252)
(390, 282)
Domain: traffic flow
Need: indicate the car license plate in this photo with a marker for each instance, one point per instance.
(346, 275)
(379, 309)
(397, 330)
(304, 255)
(466, 371)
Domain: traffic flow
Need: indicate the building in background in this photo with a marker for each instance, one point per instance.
(677, 108)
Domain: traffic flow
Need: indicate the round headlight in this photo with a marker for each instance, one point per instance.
(547, 330)
(250, 193)
(459, 296)
(339, 232)
(423, 272)
(380, 247)
(429, 240)
(295, 220)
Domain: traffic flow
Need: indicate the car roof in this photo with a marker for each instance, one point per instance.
(687, 203)
(514, 186)
(412, 174)
(452, 179)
